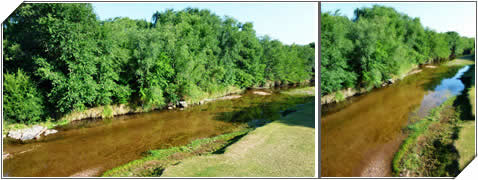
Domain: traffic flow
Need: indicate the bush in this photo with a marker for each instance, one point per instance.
(339, 96)
(22, 103)
(107, 112)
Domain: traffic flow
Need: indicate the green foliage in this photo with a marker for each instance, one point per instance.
(378, 44)
(80, 62)
(339, 96)
(22, 103)
(107, 112)
(336, 72)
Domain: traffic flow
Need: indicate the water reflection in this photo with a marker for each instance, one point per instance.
(359, 137)
(447, 88)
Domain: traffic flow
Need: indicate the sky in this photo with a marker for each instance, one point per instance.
(288, 22)
(439, 16)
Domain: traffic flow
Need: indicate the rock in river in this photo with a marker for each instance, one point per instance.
(15, 134)
(27, 134)
(262, 93)
(50, 131)
(183, 104)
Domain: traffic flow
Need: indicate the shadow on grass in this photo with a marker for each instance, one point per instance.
(462, 102)
(305, 116)
(229, 142)
(448, 155)
(468, 57)
(261, 113)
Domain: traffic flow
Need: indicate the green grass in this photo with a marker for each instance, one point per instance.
(197, 95)
(415, 156)
(306, 91)
(339, 96)
(466, 143)
(158, 159)
(107, 112)
(461, 61)
(403, 70)
(285, 147)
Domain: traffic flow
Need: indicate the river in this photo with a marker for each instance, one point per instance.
(360, 136)
(90, 147)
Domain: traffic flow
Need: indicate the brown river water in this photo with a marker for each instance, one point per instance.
(90, 147)
(360, 136)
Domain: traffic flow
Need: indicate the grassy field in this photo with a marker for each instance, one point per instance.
(466, 143)
(282, 148)
(471, 94)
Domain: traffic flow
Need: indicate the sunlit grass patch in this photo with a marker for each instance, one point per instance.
(156, 160)
(466, 143)
(282, 148)
(471, 94)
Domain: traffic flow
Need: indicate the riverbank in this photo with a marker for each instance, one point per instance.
(343, 94)
(283, 148)
(295, 129)
(428, 150)
(350, 92)
(110, 111)
(442, 143)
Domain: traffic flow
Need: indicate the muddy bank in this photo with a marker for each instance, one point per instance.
(122, 109)
(350, 92)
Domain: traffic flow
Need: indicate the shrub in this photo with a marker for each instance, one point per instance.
(22, 103)
(107, 112)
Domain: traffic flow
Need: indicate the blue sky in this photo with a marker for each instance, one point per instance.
(287, 22)
(439, 16)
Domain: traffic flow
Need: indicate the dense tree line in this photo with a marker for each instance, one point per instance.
(59, 58)
(377, 44)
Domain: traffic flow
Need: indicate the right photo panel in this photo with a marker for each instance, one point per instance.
(397, 88)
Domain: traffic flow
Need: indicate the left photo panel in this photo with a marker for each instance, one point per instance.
(177, 89)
